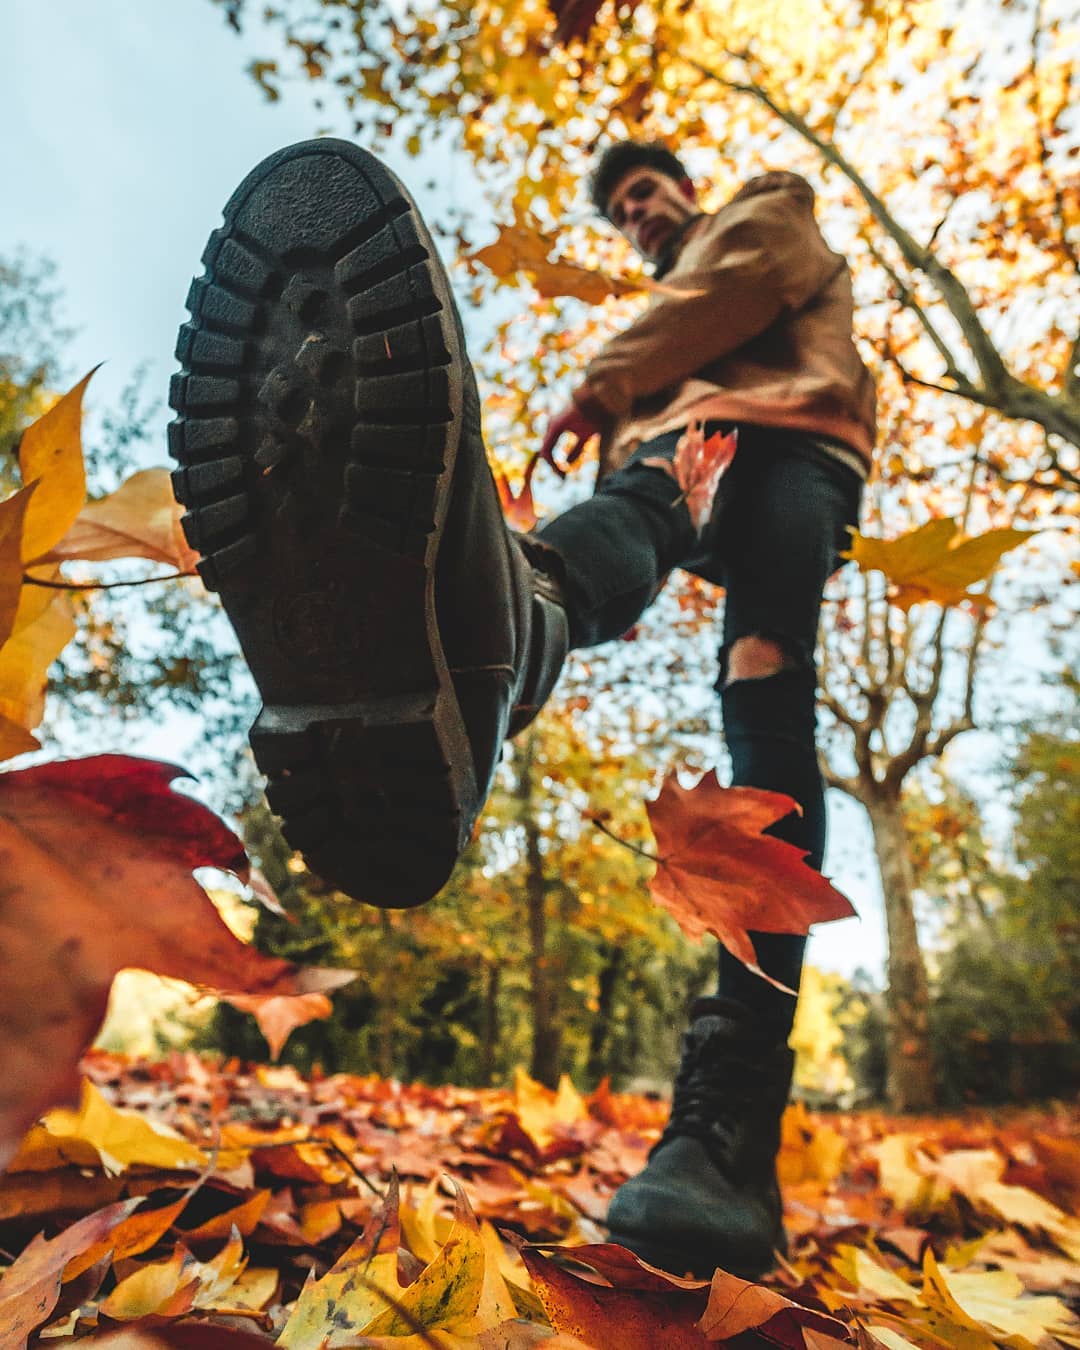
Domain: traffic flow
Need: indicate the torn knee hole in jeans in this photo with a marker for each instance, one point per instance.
(793, 657)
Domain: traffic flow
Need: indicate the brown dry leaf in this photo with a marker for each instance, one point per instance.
(278, 1015)
(30, 1286)
(141, 519)
(738, 1305)
(50, 454)
(243, 1218)
(717, 873)
(131, 1236)
(933, 563)
(519, 512)
(96, 858)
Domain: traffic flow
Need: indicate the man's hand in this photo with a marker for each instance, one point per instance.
(572, 421)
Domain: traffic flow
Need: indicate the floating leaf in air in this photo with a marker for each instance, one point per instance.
(697, 467)
(935, 562)
(718, 873)
(521, 247)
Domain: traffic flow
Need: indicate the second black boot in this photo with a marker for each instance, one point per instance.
(331, 460)
(708, 1197)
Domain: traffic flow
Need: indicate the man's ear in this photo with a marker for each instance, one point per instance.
(686, 187)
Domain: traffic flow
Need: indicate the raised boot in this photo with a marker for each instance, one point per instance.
(708, 1197)
(328, 434)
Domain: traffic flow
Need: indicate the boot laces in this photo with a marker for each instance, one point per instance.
(709, 1102)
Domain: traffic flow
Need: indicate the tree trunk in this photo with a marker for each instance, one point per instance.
(546, 1045)
(602, 1024)
(492, 978)
(911, 1084)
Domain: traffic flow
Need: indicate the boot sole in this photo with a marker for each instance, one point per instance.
(319, 413)
(677, 1261)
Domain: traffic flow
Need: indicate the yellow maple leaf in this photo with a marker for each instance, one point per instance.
(934, 562)
(120, 1137)
(157, 1289)
(979, 1300)
(24, 663)
(870, 1277)
(51, 451)
(12, 518)
(540, 1111)
(520, 247)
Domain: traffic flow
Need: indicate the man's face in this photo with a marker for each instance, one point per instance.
(647, 207)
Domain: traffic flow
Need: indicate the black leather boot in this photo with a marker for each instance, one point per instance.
(332, 464)
(708, 1197)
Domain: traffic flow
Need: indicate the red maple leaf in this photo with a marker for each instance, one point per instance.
(717, 873)
(96, 857)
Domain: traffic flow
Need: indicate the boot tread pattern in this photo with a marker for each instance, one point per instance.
(314, 435)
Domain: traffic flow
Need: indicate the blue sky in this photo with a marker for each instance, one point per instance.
(128, 125)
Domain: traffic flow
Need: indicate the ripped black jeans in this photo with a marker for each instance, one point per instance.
(781, 518)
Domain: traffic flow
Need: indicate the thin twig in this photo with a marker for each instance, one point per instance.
(642, 853)
(28, 580)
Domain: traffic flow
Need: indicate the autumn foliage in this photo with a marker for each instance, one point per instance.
(236, 1206)
(202, 1203)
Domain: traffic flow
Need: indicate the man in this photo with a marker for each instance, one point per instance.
(337, 485)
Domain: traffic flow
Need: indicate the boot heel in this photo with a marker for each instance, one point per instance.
(366, 793)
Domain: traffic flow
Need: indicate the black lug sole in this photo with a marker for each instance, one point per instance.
(318, 418)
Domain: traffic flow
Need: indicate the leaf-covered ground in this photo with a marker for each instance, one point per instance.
(192, 1204)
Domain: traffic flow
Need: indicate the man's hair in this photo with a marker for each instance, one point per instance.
(618, 159)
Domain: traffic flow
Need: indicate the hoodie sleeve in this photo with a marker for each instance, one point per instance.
(752, 261)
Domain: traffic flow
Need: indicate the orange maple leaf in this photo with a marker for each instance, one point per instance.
(519, 511)
(717, 873)
(698, 466)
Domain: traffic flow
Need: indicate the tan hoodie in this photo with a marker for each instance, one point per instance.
(761, 334)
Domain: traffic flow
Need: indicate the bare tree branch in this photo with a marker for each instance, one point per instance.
(987, 358)
(852, 786)
(1000, 388)
(907, 299)
(924, 700)
(838, 710)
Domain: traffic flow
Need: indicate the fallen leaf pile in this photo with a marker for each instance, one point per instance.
(193, 1204)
